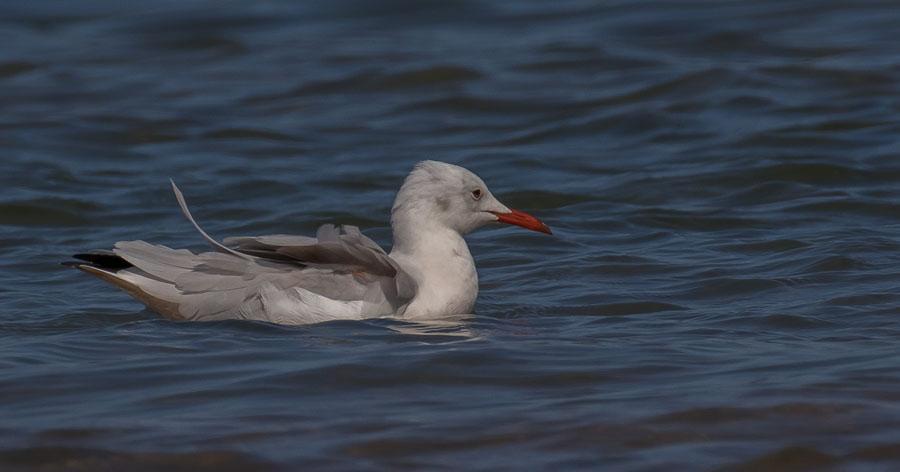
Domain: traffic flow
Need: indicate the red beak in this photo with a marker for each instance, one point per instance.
(520, 218)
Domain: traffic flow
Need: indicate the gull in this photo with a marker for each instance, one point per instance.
(340, 274)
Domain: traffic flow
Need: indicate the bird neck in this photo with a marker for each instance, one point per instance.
(432, 252)
(426, 240)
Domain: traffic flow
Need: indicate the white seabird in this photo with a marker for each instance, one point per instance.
(338, 275)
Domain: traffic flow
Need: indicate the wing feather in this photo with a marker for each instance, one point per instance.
(339, 274)
(187, 214)
(342, 249)
(215, 285)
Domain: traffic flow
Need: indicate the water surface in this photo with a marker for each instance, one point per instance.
(722, 290)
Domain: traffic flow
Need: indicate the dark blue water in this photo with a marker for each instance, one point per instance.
(723, 181)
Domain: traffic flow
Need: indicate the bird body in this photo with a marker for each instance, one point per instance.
(339, 274)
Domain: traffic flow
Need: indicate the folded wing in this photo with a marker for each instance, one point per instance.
(339, 274)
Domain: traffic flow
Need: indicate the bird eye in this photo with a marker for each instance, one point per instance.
(476, 194)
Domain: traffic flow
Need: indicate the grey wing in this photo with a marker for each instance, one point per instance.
(339, 251)
(216, 286)
(339, 248)
(339, 274)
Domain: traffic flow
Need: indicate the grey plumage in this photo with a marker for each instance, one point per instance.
(340, 273)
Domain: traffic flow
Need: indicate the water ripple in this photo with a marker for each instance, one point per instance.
(719, 293)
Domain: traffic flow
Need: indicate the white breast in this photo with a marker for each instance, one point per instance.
(447, 281)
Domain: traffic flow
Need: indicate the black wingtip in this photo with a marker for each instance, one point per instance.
(103, 260)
